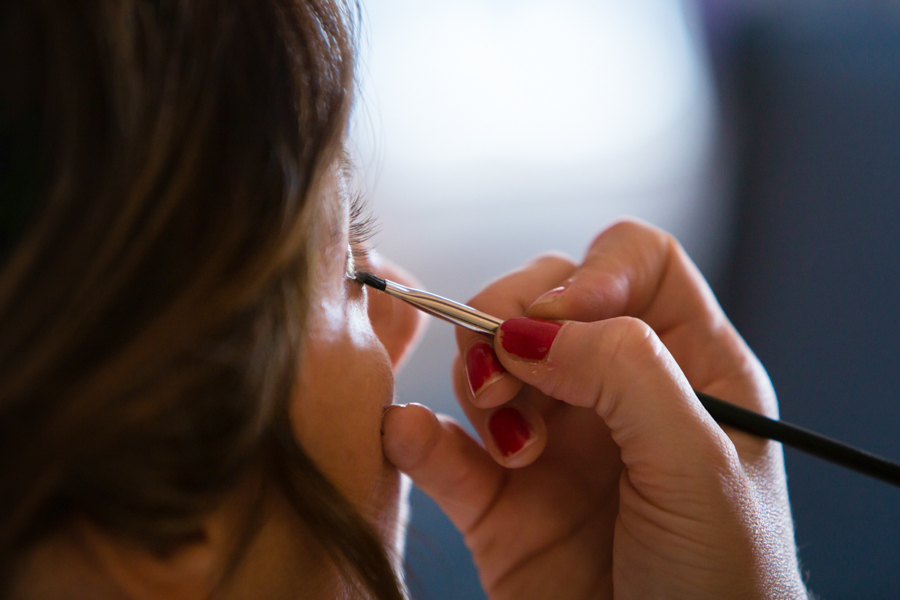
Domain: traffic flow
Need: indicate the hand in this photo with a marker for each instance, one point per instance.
(609, 479)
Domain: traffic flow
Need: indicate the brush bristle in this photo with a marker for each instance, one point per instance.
(368, 279)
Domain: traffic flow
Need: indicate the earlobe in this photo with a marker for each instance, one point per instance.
(194, 569)
(190, 571)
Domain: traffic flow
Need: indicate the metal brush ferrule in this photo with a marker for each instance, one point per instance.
(444, 308)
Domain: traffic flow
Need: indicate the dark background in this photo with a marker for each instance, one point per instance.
(812, 94)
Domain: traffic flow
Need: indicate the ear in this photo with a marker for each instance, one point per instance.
(80, 560)
(189, 572)
(192, 570)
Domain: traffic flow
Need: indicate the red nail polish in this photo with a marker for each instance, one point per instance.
(510, 430)
(482, 366)
(529, 339)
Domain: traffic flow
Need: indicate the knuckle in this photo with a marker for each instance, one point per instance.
(552, 260)
(624, 228)
(632, 342)
(629, 225)
(635, 232)
(579, 391)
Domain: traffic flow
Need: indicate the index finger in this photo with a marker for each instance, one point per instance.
(632, 269)
(635, 270)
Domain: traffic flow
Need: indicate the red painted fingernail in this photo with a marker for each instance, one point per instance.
(529, 339)
(482, 367)
(510, 430)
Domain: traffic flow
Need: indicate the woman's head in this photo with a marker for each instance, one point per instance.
(172, 206)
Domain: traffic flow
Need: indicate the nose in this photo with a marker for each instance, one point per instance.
(397, 324)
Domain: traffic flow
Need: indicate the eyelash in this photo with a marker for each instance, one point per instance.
(363, 226)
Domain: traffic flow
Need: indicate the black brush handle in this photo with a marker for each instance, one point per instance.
(801, 439)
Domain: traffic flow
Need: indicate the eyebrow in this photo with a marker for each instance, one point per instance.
(348, 169)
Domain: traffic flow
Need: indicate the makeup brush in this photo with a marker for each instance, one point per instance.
(437, 306)
(724, 413)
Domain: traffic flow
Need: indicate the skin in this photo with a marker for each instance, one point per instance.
(627, 489)
(346, 380)
(347, 375)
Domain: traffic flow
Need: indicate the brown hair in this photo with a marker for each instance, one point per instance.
(156, 163)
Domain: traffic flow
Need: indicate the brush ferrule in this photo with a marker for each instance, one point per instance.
(444, 308)
(369, 279)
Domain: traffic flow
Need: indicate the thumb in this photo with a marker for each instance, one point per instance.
(621, 369)
(443, 461)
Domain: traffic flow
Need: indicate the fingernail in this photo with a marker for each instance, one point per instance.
(549, 296)
(386, 410)
(510, 430)
(529, 339)
(482, 367)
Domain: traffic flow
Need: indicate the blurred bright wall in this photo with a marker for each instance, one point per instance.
(489, 131)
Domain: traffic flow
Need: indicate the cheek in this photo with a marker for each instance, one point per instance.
(336, 415)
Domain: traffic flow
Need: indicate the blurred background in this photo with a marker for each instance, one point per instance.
(764, 135)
